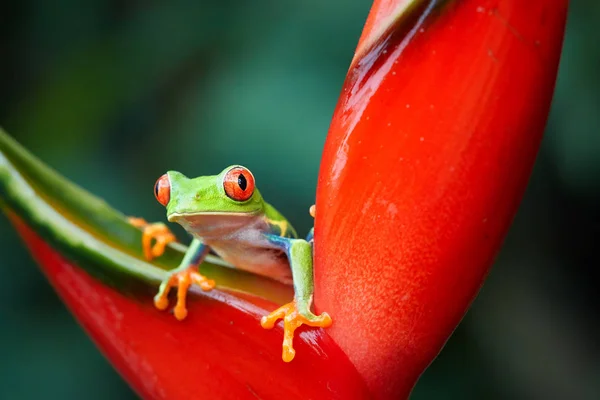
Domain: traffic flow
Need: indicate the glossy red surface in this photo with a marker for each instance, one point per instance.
(219, 352)
(428, 154)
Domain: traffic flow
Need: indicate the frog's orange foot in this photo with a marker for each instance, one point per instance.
(158, 232)
(292, 319)
(137, 222)
(312, 210)
(181, 279)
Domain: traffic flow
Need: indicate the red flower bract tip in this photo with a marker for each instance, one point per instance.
(428, 154)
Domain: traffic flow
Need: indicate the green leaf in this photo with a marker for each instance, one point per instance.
(86, 230)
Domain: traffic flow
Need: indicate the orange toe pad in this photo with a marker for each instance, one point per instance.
(157, 232)
(292, 319)
(182, 280)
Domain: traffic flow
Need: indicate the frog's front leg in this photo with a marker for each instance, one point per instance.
(297, 312)
(183, 277)
(158, 232)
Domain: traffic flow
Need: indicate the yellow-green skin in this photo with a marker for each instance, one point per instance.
(251, 235)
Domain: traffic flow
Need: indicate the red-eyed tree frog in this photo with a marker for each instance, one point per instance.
(226, 213)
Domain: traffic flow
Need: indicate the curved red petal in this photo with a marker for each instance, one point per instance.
(219, 352)
(428, 155)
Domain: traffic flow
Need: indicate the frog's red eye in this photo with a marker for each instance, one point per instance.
(238, 183)
(162, 190)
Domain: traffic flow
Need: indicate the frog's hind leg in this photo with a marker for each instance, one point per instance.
(297, 312)
(293, 314)
(311, 236)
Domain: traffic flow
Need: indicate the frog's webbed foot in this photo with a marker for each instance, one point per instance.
(182, 279)
(158, 232)
(293, 319)
(313, 211)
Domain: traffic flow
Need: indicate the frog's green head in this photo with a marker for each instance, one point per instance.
(206, 199)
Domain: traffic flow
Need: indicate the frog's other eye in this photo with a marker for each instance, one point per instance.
(162, 190)
(238, 183)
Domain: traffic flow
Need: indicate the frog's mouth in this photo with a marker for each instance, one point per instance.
(176, 217)
(214, 224)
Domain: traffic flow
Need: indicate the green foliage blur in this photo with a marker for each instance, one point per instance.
(114, 93)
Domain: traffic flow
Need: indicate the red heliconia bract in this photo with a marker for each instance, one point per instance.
(219, 352)
(428, 155)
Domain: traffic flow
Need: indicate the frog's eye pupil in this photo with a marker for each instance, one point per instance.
(156, 189)
(242, 182)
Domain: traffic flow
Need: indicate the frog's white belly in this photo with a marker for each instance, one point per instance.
(240, 241)
(266, 261)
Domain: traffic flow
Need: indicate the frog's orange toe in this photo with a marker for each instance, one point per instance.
(202, 281)
(161, 302)
(180, 312)
(292, 320)
(162, 237)
(268, 321)
(157, 232)
(181, 279)
(288, 353)
(137, 222)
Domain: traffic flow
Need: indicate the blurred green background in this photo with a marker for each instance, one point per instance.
(113, 93)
